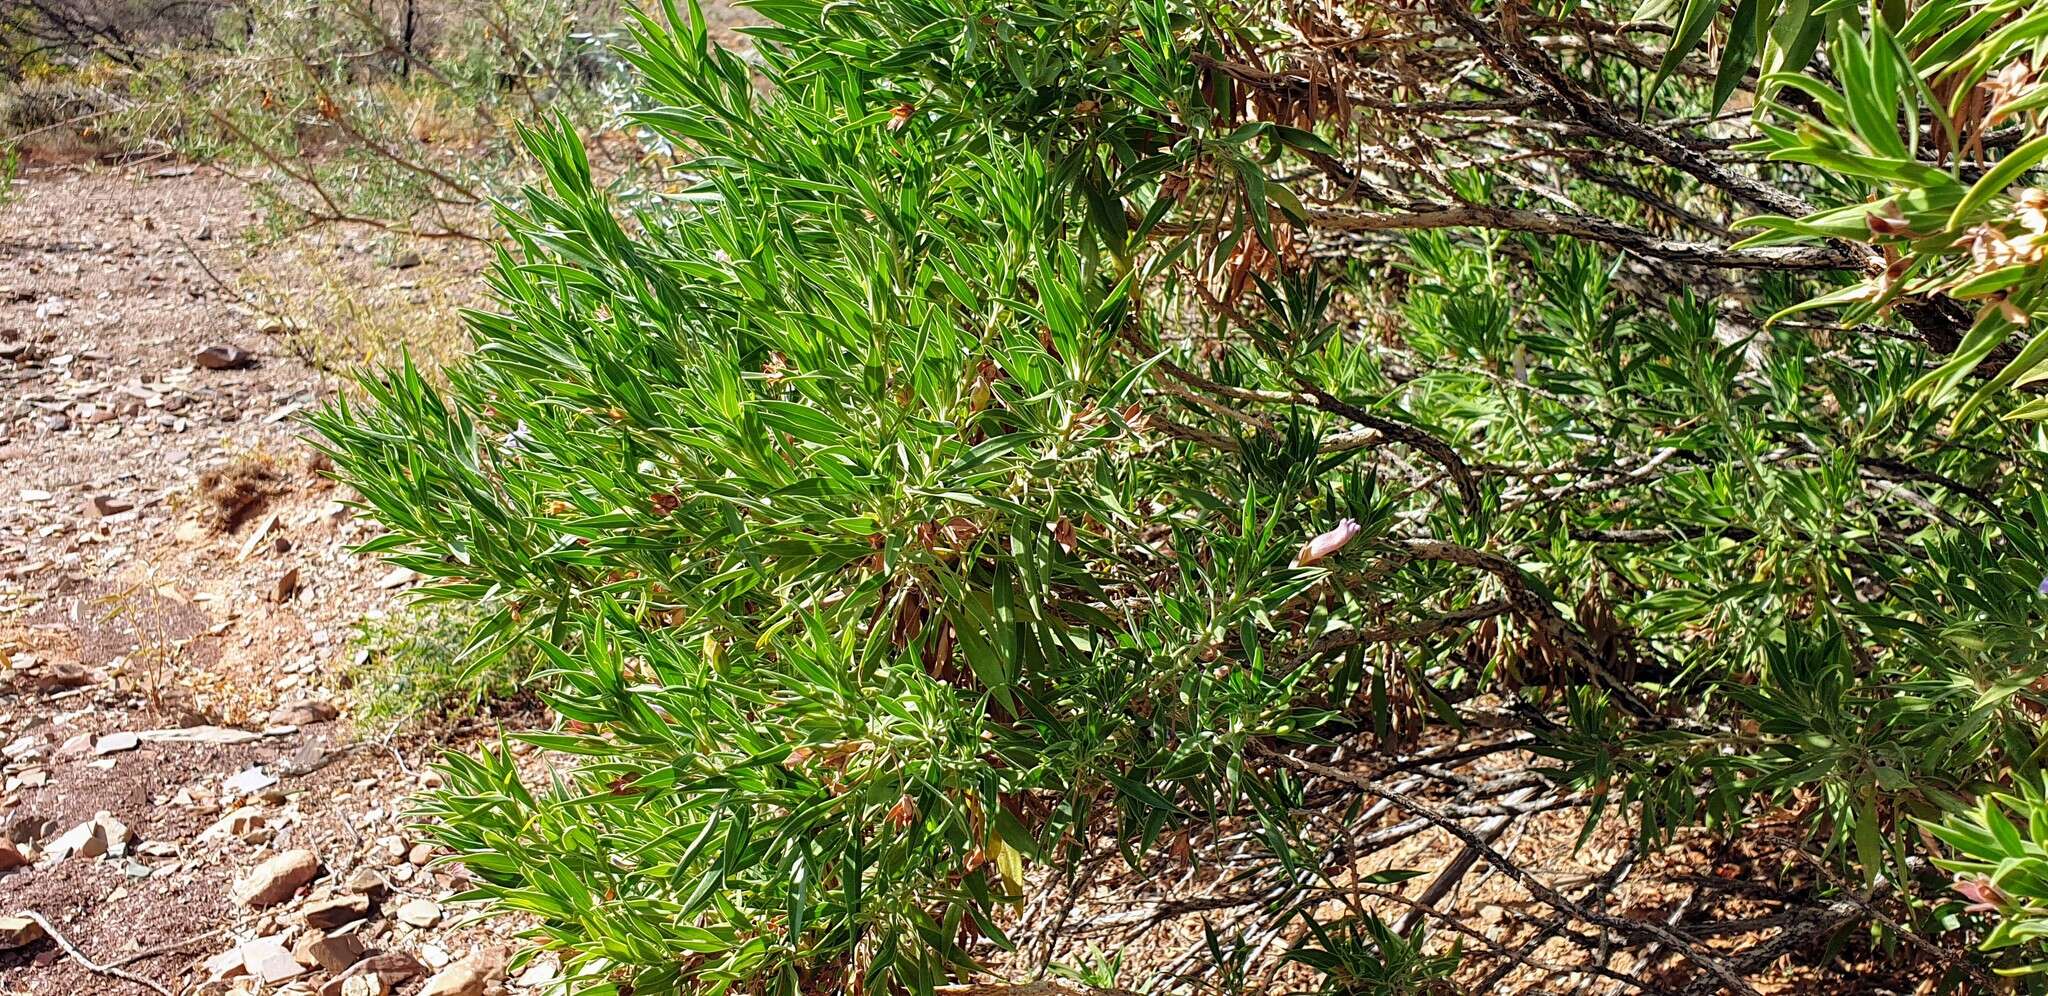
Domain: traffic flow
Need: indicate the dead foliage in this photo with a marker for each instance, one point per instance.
(231, 493)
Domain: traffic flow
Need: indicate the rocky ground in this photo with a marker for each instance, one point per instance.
(186, 804)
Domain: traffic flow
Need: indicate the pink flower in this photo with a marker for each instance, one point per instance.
(1983, 896)
(1327, 544)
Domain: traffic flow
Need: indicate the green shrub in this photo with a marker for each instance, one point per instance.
(1041, 432)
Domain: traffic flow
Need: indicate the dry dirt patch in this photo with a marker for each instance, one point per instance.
(176, 600)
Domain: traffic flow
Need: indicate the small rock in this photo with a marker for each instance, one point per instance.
(332, 953)
(332, 913)
(114, 743)
(267, 959)
(116, 833)
(18, 931)
(105, 505)
(389, 969)
(420, 854)
(224, 358)
(275, 880)
(304, 713)
(406, 260)
(398, 577)
(191, 532)
(10, 855)
(421, 913)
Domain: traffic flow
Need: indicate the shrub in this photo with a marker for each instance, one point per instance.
(1042, 433)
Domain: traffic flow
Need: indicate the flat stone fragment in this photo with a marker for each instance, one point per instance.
(332, 953)
(116, 742)
(267, 959)
(332, 913)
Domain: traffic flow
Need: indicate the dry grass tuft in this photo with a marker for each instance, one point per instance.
(231, 493)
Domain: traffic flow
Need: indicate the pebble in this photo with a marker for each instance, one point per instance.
(367, 882)
(100, 835)
(539, 974)
(249, 781)
(364, 985)
(420, 913)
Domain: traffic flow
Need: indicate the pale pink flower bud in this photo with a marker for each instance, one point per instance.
(1327, 544)
(1983, 896)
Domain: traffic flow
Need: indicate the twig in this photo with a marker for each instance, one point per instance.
(175, 947)
(1946, 957)
(79, 956)
(1535, 886)
(1418, 438)
(245, 299)
(1551, 626)
(1448, 879)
